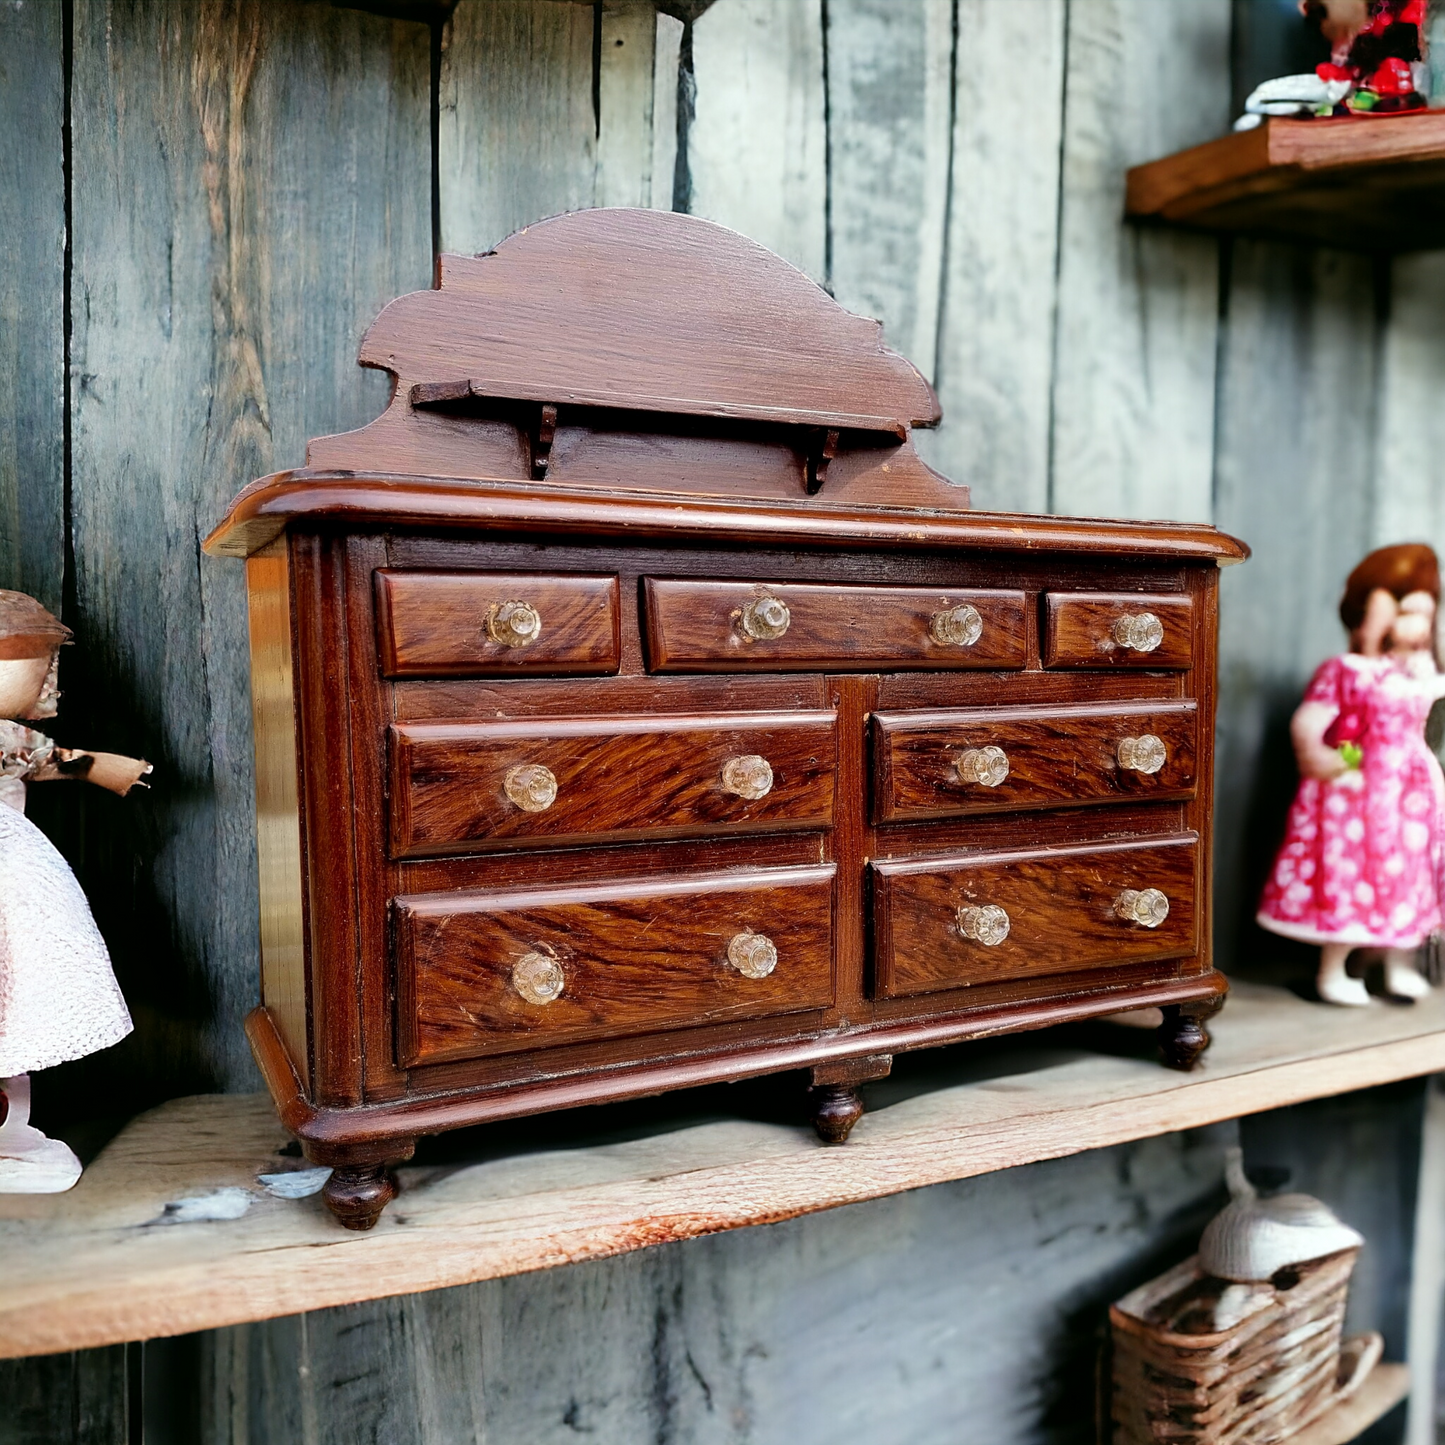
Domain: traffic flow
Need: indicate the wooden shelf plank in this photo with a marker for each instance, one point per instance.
(1365, 185)
(110, 1262)
(1384, 1388)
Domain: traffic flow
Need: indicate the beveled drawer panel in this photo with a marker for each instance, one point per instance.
(988, 760)
(497, 624)
(1125, 629)
(703, 626)
(487, 973)
(944, 923)
(465, 787)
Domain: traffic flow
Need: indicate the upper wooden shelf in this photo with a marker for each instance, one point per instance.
(114, 1260)
(1363, 185)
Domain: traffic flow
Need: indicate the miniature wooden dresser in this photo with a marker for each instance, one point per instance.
(635, 710)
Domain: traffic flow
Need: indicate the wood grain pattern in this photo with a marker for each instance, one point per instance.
(616, 777)
(1057, 757)
(1060, 905)
(70, 1257)
(432, 624)
(635, 958)
(694, 626)
(1079, 630)
(32, 303)
(1366, 185)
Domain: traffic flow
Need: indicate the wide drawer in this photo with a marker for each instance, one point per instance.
(704, 626)
(463, 787)
(499, 624)
(943, 923)
(487, 973)
(1125, 629)
(987, 760)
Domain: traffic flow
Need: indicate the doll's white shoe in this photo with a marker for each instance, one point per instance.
(1404, 980)
(30, 1163)
(1340, 988)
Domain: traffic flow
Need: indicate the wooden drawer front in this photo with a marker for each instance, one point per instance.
(943, 764)
(1103, 629)
(1060, 905)
(620, 959)
(707, 627)
(460, 624)
(455, 786)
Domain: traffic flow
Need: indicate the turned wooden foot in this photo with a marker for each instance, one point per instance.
(836, 1103)
(356, 1194)
(1182, 1036)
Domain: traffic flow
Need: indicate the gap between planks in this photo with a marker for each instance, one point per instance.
(98, 1266)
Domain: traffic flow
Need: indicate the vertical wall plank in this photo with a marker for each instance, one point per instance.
(995, 342)
(78, 1398)
(32, 300)
(1134, 372)
(518, 136)
(251, 184)
(666, 59)
(625, 104)
(757, 144)
(888, 121)
(1411, 456)
(1295, 461)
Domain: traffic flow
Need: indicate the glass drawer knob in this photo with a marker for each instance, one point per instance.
(957, 627)
(987, 924)
(1147, 907)
(531, 787)
(538, 978)
(988, 766)
(514, 624)
(749, 777)
(1139, 632)
(765, 618)
(1145, 754)
(752, 954)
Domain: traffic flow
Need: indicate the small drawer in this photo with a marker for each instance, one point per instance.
(462, 787)
(698, 626)
(946, 923)
(496, 624)
(1130, 629)
(990, 760)
(490, 973)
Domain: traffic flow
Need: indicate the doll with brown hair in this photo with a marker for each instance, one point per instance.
(58, 996)
(1360, 866)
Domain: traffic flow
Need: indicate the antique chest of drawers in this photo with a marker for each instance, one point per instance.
(635, 710)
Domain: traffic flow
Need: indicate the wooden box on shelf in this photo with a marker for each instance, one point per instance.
(635, 710)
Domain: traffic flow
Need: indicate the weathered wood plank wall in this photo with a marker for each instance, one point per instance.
(249, 182)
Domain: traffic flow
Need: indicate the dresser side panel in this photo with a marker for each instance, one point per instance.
(278, 814)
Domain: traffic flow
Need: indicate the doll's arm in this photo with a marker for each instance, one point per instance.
(1307, 731)
(110, 771)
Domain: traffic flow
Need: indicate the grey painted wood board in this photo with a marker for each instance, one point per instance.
(1133, 386)
(78, 1398)
(32, 300)
(250, 187)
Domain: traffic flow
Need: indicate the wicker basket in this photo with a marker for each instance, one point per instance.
(1180, 1379)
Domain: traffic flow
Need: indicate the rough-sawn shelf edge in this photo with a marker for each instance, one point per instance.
(106, 1263)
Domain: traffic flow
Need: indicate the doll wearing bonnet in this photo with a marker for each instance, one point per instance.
(58, 996)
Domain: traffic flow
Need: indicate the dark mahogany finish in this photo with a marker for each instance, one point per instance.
(613, 691)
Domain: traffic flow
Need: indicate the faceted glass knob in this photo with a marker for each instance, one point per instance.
(1139, 632)
(749, 777)
(752, 954)
(765, 618)
(514, 624)
(531, 787)
(988, 766)
(538, 977)
(1145, 754)
(1147, 907)
(986, 924)
(957, 627)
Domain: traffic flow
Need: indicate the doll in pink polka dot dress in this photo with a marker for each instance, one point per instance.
(1361, 862)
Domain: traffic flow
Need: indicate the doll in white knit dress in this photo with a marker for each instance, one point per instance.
(58, 997)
